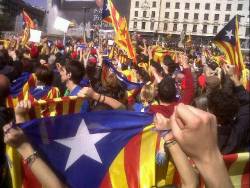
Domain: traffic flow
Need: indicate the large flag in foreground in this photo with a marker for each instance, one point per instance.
(94, 149)
(229, 42)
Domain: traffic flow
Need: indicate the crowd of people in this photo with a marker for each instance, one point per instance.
(200, 106)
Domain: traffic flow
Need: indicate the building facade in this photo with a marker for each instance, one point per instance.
(10, 13)
(195, 17)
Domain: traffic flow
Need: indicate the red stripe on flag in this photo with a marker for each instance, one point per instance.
(10, 102)
(59, 108)
(230, 159)
(106, 182)
(240, 68)
(228, 52)
(72, 104)
(132, 161)
(29, 180)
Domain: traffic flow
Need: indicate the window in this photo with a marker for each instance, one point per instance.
(194, 28)
(187, 5)
(215, 30)
(216, 17)
(176, 15)
(143, 25)
(207, 6)
(154, 4)
(177, 5)
(184, 27)
(137, 4)
(227, 17)
(186, 15)
(135, 25)
(197, 5)
(153, 14)
(204, 30)
(228, 8)
(217, 6)
(206, 16)
(165, 27)
(136, 13)
(166, 14)
(175, 27)
(167, 4)
(196, 16)
(247, 32)
(152, 26)
(144, 14)
(240, 7)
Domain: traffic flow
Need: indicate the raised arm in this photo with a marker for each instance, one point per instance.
(14, 137)
(188, 91)
(90, 93)
(190, 127)
(189, 178)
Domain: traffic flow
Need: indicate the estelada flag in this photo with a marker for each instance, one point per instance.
(229, 42)
(123, 40)
(28, 21)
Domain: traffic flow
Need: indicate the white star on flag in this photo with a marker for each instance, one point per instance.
(229, 34)
(83, 143)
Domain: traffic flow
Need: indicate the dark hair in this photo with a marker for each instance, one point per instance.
(212, 65)
(158, 67)
(201, 102)
(167, 89)
(143, 74)
(77, 71)
(27, 65)
(223, 105)
(44, 75)
(168, 60)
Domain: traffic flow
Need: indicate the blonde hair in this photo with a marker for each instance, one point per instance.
(148, 93)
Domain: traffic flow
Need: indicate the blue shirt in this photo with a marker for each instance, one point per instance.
(85, 106)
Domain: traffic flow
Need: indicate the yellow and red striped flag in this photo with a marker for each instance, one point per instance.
(28, 21)
(21, 175)
(123, 39)
(229, 42)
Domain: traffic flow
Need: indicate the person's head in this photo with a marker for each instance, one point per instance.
(27, 65)
(223, 105)
(169, 65)
(212, 83)
(167, 90)
(4, 89)
(201, 102)
(157, 67)
(142, 75)
(44, 75)
(73, 71)
(147, 93)
(111, 82)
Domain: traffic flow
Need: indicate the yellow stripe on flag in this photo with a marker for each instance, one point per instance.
(65, 108)
(225, 52)
(147, 158)
(170, 173)
(236, 170)
(14, 161)
(78, 105)
(117, 172)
